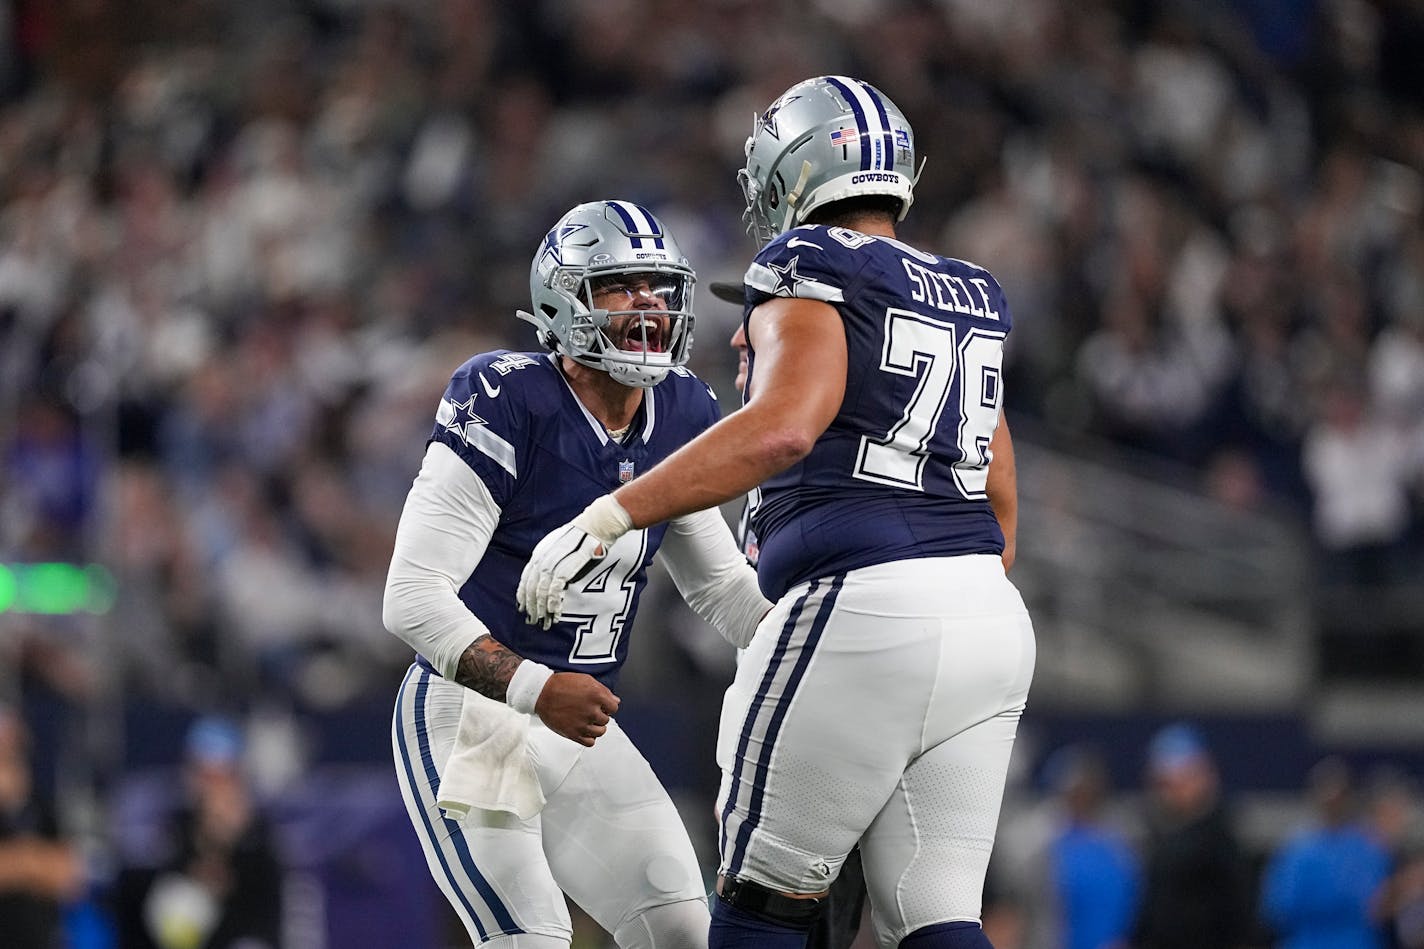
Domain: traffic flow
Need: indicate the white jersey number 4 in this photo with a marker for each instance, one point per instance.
(598, 605)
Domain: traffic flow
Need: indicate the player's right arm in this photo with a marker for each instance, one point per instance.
(800, 384)
(445, 526)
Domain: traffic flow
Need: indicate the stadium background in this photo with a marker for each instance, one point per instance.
(243, 244)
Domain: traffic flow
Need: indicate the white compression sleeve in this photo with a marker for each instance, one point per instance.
(444, 528)
(713, 577)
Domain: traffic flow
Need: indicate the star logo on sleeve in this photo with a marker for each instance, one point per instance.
(462, 418)
(787, 279)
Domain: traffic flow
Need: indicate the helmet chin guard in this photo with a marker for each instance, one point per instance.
(620, 245)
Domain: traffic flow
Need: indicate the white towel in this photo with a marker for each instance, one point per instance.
(490, 767)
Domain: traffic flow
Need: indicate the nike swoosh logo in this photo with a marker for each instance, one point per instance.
(798, 242)
(491, 391)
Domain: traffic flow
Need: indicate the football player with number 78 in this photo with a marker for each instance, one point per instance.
(879, 702)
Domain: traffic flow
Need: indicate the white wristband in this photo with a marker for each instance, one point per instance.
(605, 519)
(525, 685)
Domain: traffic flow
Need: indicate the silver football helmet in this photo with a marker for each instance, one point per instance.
(825, 139)
(617, 254)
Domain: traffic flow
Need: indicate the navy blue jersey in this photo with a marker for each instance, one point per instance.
(901, 471)
(514, 420)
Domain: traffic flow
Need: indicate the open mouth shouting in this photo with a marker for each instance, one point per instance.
(644, 333)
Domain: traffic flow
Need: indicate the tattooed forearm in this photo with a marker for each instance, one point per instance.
(486, 667)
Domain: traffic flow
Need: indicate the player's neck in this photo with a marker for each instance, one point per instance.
(873, 226)
(612, 403)
(876, 225)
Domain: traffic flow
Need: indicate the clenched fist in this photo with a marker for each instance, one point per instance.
(577, 706)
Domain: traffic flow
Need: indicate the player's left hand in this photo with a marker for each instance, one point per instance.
(566, 554)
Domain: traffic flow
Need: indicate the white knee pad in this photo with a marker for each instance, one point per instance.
(681, 925)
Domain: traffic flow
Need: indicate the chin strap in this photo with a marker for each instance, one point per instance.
(538, 323)
(546, 336)
(905, 205)
(794, 194)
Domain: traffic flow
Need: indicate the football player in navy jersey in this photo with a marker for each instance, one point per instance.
(880, 701)
(517, 779)
(838, 922)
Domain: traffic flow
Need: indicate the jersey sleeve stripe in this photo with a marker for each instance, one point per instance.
(762, 278)
(492, 446)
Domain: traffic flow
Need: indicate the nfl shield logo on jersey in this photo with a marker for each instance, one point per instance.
(625, 472)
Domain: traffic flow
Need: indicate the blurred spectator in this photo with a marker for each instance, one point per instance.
(220, 883)
(1404, 911)
(40, 871)
(1196, 889)
(1159, 360)
(1394, 821)
(163, 602)
(1392, 814)
(1092, 885)
(1321, 887)
(1356, 470)
(1397, 387)
(49, 474)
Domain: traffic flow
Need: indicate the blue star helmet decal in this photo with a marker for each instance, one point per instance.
(768, 121)
(554, 241)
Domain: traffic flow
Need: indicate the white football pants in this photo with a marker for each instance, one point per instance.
(878, 706)
(609, 837)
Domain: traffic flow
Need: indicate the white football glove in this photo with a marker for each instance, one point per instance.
(566, 554)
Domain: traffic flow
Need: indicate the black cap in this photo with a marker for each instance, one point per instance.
(731, 292)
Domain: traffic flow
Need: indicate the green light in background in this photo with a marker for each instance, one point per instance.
(102, 589)
(56, 589)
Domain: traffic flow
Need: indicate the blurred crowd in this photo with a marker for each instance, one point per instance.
(243, 244)
(1088, 866)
